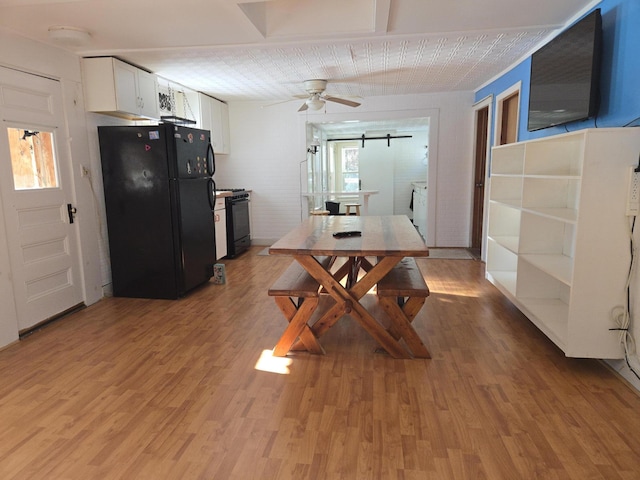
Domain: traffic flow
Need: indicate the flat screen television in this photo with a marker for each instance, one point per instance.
(565, 76)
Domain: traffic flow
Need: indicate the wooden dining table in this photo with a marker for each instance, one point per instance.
(383, 242)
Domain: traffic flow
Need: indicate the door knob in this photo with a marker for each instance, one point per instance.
(71, 210)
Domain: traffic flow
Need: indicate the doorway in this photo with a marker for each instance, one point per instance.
(355, 123)
(508, 115)
(482, 112)
(391, 156)
(35, 189)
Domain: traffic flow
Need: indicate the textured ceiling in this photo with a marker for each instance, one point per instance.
(241, 50)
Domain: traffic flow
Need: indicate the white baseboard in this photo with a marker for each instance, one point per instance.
(621, 368)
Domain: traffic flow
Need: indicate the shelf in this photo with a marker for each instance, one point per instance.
(551, 315)
(510, 202)
(550, 192)
(504, 222)
(508, 242)
(502, 265)
(546, 235)
(554, 177)
(504, 280)
(559, 267)
(561, 155)
(507, 159)
(553, 201)
(562, 214)
(507, 189)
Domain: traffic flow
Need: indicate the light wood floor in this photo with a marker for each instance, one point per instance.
(149, 389)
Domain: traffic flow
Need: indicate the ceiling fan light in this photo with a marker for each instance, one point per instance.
(315, 103)
(69, 36)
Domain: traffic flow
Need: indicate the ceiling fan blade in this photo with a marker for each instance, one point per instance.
(276, 103)
(303, 107)
(295, 97)
(343, 101)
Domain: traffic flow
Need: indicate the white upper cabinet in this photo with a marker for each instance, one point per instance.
(214, 116)
(116, 88)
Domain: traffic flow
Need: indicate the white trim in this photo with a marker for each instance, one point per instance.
(483, 102)
(500, 98)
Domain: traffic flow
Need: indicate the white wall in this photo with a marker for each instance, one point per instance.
(268, 150)
(32, 57)
(634, 359)
(267, 153)
(93, 121)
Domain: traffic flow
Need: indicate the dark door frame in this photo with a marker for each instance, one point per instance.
(482, 146)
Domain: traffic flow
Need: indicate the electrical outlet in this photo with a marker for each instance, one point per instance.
(633, 196)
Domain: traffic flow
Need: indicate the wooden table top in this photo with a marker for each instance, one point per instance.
(392, 235)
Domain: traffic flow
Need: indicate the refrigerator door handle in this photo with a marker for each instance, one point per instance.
(211, 159)
(212, 193)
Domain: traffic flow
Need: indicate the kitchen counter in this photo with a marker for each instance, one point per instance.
(228, 193)
(363, 196)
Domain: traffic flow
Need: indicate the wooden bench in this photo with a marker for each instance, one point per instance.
(296, 283)
(402, 293)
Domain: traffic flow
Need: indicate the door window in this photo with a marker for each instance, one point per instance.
(33, 160)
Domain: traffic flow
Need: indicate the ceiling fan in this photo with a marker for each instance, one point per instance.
(317, 97)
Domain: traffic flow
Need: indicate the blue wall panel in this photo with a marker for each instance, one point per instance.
(619, 81)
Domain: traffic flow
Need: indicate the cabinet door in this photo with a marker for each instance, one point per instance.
(216, 128)
(205, 112)
(126, 87)
(422, 225)
(147, 94)
(420, 210)
(224, 128)
(220, 217)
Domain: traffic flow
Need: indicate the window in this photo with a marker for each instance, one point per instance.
(32, 159)
(350, 169)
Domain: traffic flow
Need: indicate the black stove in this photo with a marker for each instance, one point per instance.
(238, 231)
(236, 193)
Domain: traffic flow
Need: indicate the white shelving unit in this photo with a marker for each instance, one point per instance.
(558, 236)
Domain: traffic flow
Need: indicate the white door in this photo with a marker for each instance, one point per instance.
(376, 173)
(35, 187)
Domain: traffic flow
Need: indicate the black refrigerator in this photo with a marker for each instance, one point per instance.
(159, 198)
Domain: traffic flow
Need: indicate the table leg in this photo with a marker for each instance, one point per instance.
(347, 301)
(401, 323)
(364, 200)
(298, 327)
